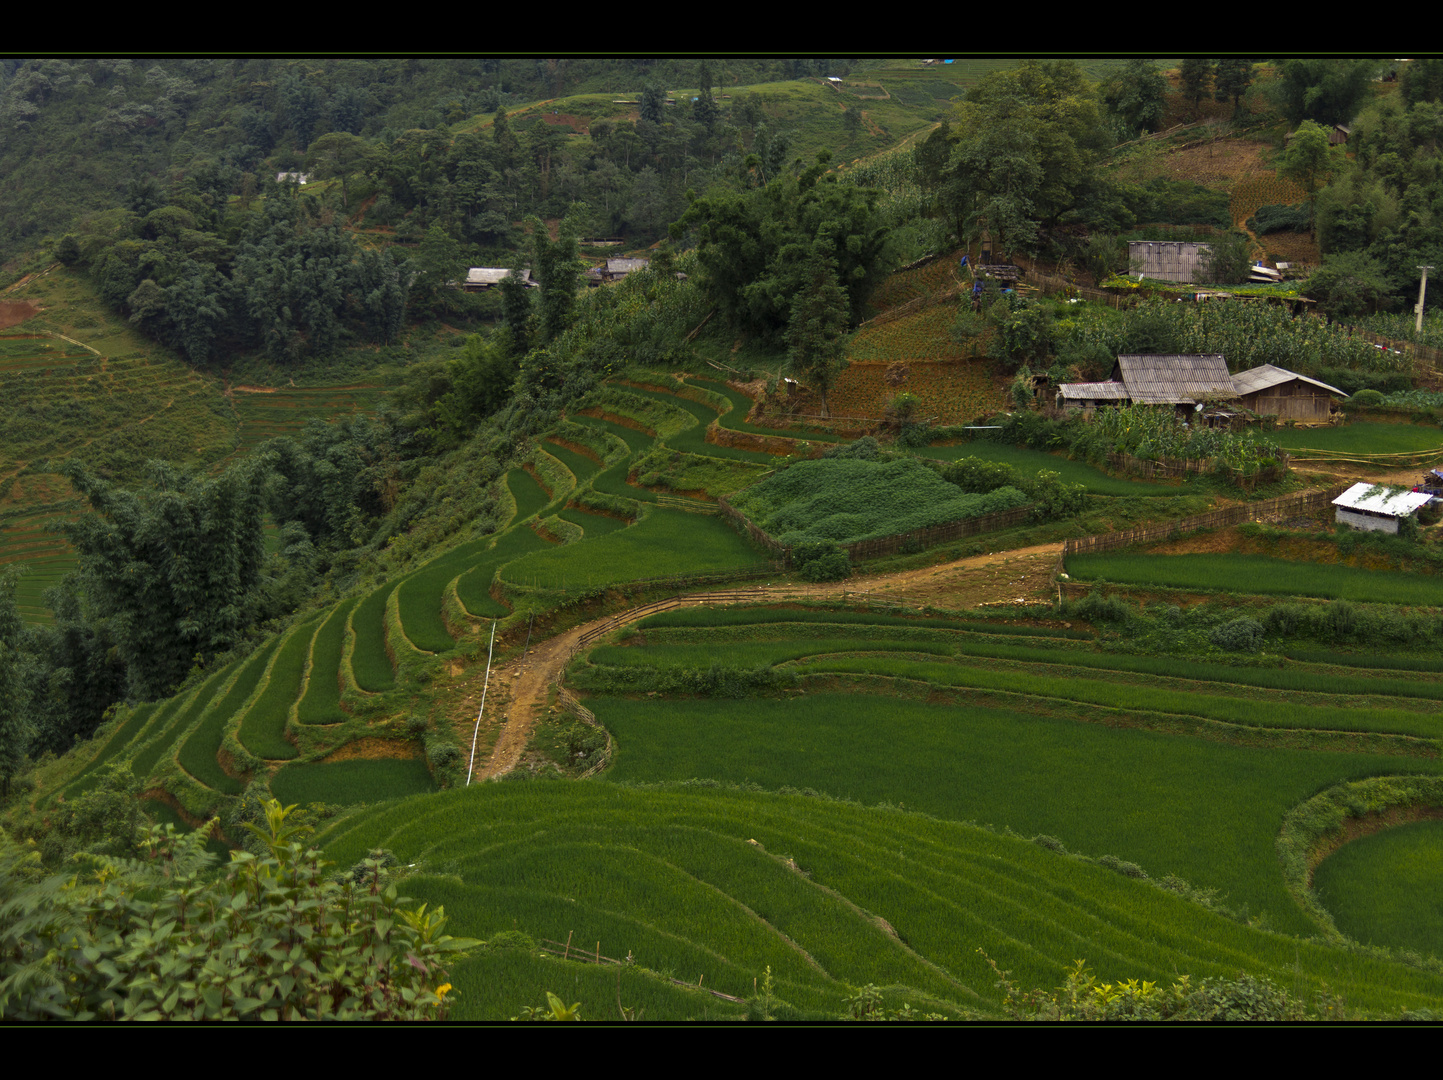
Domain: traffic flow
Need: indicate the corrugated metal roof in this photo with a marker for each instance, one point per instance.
(1381, 499)
(1109, 391)
(492, 275)
(1266, 375)
(1166, 260)
(1154, 379)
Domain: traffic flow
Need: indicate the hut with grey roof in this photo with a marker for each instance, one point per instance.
(1377, 507)
(1184, 381)
(1269, 390)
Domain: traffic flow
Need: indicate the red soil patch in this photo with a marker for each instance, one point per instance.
(577, 448)
(623, 421)
(372, 749)
(15, 312)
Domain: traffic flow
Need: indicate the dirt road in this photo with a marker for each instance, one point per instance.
(1008, 578)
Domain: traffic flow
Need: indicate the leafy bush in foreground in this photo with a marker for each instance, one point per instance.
(149, 939)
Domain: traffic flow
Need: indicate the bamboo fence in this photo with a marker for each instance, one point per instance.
(1269, 510)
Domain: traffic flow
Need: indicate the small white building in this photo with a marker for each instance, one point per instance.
(1377, 507)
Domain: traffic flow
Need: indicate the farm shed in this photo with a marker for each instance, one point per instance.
(1378, 508)
(1091, 395)
(486, 277)
(1273, 391)
(615, 270)
(1175, 379)
(1166, 260)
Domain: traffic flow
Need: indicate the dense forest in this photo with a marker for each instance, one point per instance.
(295, 220)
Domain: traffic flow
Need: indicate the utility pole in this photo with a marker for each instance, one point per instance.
(1422, 288)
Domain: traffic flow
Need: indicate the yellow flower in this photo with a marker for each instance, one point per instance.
(442, 990)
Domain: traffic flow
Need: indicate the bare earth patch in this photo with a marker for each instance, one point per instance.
(373, 749)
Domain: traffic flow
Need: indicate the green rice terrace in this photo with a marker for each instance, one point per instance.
(801, 789)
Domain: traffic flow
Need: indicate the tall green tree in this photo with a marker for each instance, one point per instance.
(817, 328)
(174, 570)
(557, 268)
(1196, 76)
(16, 728)
(1137, 95)
(1309, 159)
(1327, 91)
(1231, 81)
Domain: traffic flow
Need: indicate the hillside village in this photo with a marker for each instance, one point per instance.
(716, 551)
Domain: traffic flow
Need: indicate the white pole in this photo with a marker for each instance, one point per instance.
(1422, 288)
(471, 768)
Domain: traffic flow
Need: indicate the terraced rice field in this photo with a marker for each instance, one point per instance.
(1259, 574)
(1029, 462)
(712, 887)
(268, 413)
(1184, 769)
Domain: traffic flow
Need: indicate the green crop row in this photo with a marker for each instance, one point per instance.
(199, 753)
(263, 728)
(1260, 575)
(321, 703)
(706, 883)
(369, 660)
(342, 783)
(663, 543)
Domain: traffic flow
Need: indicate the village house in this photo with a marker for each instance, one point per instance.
(1273, 391)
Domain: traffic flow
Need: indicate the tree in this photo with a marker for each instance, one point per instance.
(1231, 80)
(338, 155)
(15, 726)
(816, 331)
(558, 268)
(1326, 91)
(438, 266)
(1308, 160)
(1228, 259)
(653, 104)
(1350, 284)
(1196, 76)
(174, 570)
(1137, 96)
(158, 938)
(705, 109)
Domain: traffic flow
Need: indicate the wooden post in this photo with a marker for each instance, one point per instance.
(567, 953)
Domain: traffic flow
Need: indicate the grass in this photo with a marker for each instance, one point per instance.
(692, 440)
(1405, 914)
(1361, 438)
(1029, 462)
(593, 525)
(736, 419)
(355, 781)
(1201, 810)
(263, 728)
(1261, 575)
(474, 588)
(636, 441)
(199, 754)
(664, 543)
(321, 703)
(704, 883)
(369, 661)
(531, 497)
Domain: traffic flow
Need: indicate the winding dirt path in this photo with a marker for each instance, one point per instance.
(1006, 578)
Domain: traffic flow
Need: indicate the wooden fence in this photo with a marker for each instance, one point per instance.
(1270, 510)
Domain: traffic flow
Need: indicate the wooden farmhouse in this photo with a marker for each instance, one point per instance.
(1377, 508)
(1273, 391)
(1182, 381)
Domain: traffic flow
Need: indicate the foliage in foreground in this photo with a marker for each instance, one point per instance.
(152, 939)
(1084, 997)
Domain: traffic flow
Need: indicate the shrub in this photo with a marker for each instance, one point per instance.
(1240, 635)
(1367, 397)
(834, 566)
